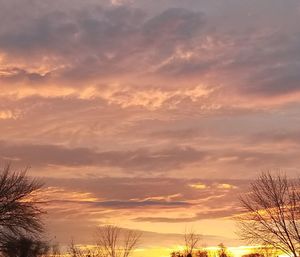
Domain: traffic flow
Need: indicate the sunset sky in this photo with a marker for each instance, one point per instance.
(153, 115)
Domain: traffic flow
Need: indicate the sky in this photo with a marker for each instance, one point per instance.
(153, 115)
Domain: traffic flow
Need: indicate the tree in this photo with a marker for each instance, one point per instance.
(55, 249)
(113, 241)
(253, 255)
(202, 253)
(191, 240)
(222, 252)
(176, 254)
(268, 251)
(75, 251)
(20, 212)
(24, 247)
(271, 213)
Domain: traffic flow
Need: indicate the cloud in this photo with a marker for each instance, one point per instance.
(213, 214)
(171, 99)
(137, 192)
(128, 204)
(182, 208)
(175, 239)
(173, 26)
(95, 201)
(138, 160)
(198, 186)
(96, 43)
(280, 136)
(7, 114)
(226, 186)
(201, 186)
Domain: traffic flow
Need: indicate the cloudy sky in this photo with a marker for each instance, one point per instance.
(153, 115)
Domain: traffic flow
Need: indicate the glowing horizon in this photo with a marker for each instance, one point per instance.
(237, 251)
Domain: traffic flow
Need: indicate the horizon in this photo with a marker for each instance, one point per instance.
(152, 115)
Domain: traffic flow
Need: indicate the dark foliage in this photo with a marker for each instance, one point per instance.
(24, 247)
(20, 212)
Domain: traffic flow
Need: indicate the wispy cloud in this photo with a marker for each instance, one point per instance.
(149, 112)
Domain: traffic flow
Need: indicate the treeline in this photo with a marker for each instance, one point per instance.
(270, 218)
(223, 251)
(192, 249)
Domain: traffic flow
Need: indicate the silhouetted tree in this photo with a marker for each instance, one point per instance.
(222, 252)
(19, 207)
(74, 251)
(253, 255)
(191, 240)
(176, 254)
(113, 241)
(272, 213)
(55, 249)
(268, 251)
(202, 253)
(24, 247)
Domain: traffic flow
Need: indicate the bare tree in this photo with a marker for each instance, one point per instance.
(19, 206)
(113, 241)
(191, 240)
(271, 213)
(75, 251)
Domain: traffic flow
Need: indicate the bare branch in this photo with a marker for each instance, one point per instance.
(191, 240)
(271, 213)
(20, 212)
(113, 241)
